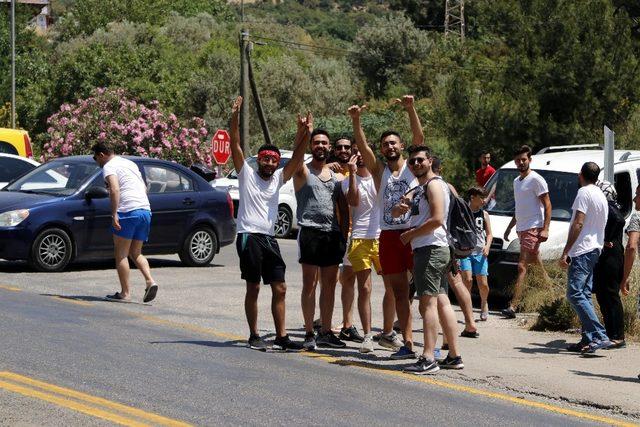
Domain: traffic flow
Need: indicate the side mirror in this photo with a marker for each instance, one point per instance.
(96, 192)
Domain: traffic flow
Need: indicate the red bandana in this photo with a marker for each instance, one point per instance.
(269, 153)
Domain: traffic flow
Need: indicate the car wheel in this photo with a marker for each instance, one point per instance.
(199, 247)
(284, 221)
(51, 250)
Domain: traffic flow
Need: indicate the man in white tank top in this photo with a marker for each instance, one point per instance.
(392, 179)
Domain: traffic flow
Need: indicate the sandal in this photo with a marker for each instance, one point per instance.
(484, 316)
(577, 347)
(468, 334)
(150, 293)
(117, 297)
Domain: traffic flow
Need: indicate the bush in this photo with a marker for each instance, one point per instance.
(131, 127)
(556, 315)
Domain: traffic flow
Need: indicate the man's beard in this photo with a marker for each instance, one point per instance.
(319, 155)
(523, 168)
(420, 174)
(392, 155)
(264, 173)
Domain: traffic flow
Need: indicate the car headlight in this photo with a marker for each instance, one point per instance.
(13, 218)
(514, 246)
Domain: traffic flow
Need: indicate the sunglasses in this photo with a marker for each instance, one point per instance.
(343, 147)
(419, 160)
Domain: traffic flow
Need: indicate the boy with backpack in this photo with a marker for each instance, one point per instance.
(476, 263)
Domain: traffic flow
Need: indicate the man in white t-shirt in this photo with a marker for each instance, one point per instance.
(581, 253)
(130, 218)
(362, 252)
(532, 218)
(257, 247)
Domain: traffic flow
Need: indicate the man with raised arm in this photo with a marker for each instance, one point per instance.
(392, 180)
(257, 247)
(323, 218)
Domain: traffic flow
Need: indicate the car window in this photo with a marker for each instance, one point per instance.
(161, 179)
(10, 168)
(563, 187)
(622, 182)
(7, 148)
(58, 177)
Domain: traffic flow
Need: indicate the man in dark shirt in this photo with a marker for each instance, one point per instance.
(486, 171)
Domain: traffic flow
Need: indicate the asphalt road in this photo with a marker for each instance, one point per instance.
(184, 359)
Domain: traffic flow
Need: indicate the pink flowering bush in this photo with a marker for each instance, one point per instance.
(131, 127)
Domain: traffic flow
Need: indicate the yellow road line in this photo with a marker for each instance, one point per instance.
(411, 377)
(10, 288)
(70, 404)
(86, 398)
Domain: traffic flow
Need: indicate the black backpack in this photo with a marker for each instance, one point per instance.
(461, 226)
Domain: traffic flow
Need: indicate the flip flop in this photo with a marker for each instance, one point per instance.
(150, 293)
(468, 334)
(117, 297)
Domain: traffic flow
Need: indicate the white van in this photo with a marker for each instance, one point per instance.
(560, 167)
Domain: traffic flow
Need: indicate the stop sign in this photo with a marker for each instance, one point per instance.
(221, 146)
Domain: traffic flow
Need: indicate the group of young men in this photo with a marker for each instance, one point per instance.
(364, 214)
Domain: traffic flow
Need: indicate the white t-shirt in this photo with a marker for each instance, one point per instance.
(529, 208)
(592, 202)
(392, 188)
(365, 218)
(133, 191)
(420, 213)
(258, 207)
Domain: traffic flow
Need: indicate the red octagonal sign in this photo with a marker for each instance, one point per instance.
(221, 146)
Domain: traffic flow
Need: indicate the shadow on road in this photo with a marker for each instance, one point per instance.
(23, 267)
(77, 297)
(552, 347)
(217, 344)
(606, 377)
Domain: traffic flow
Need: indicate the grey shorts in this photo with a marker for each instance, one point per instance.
(430, 266)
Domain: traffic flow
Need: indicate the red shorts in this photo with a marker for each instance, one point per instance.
(530, 240)
(394, 256)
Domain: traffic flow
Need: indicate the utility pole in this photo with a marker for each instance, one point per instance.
(256, 99)
(244, 92)
(13, 64)
(454, 18)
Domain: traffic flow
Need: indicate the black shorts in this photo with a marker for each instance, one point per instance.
(321, 248)
(260, 257)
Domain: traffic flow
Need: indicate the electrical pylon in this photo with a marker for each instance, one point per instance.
(454, 18)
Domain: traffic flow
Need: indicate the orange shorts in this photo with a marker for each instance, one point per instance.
(530, 240)
(394, 256)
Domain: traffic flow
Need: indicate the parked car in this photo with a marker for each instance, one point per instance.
(15, 141)
(560, 170)
(12, 167)
(286, 223)
(60, 212)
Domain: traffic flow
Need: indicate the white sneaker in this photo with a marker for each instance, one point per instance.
(391, 341)
(367, 344)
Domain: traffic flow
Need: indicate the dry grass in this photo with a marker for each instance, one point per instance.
(555, 314)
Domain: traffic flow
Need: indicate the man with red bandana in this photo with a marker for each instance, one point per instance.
(257, 247)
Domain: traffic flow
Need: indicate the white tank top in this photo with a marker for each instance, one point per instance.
(392, 188)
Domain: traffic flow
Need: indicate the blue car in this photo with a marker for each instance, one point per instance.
(60, 212)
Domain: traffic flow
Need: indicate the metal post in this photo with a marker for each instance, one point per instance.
(609, 142)
(256, 99)
(13, 64)
(244, 92)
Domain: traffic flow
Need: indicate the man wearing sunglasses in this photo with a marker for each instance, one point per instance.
(257, 247)
(392, 179)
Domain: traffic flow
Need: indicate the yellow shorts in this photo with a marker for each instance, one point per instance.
(363, 254)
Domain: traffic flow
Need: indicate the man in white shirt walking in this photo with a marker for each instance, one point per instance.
(130, 218)
(581, 253)
(531, 218)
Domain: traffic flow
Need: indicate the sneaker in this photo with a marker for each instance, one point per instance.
(484, 316)
(423, 367)
(285, 344)
(396, 326)
(451, 363)
(310, 342)
(577, 347)
(367, 344)
(596, 345)
(256, 342)
(509, 313)
(350, 334)
(437, 354)
(317, 325)
(390, 341)
(444, 346)
(403, 353)
(327, 339)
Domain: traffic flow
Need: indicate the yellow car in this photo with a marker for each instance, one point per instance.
(15, 141)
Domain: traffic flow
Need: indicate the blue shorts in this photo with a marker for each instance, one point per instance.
(134, 225)
(477, 264)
